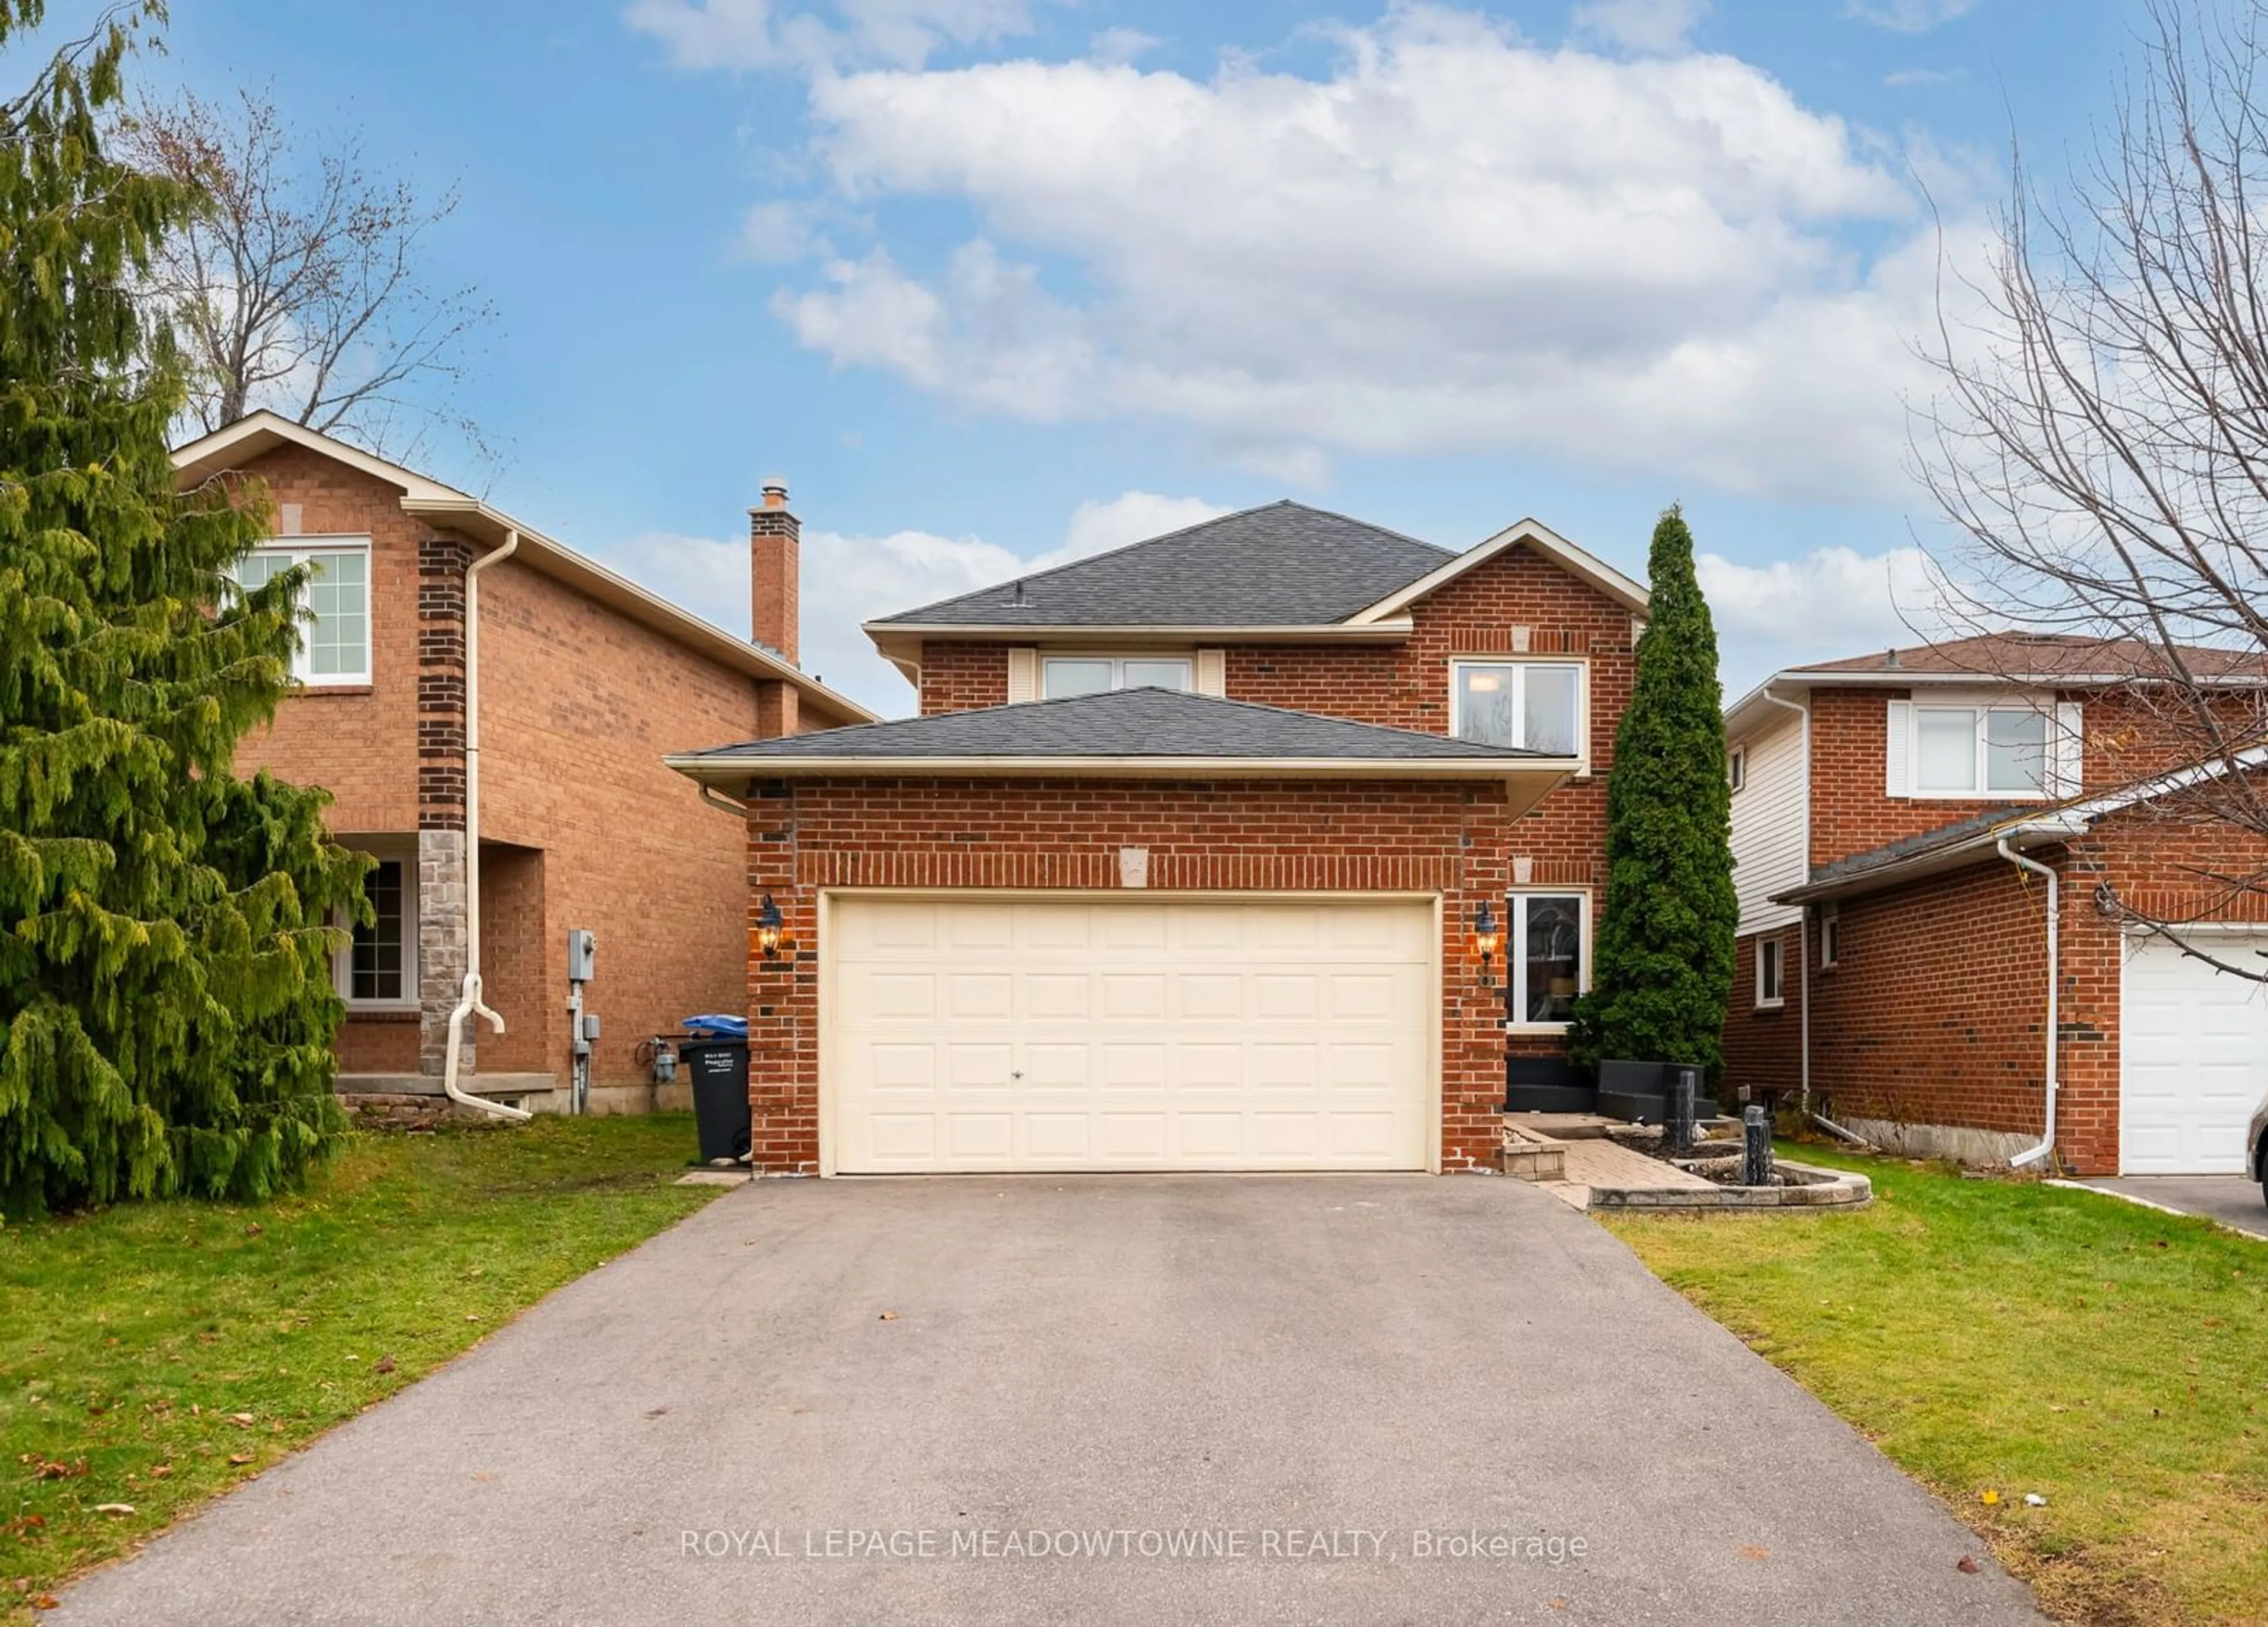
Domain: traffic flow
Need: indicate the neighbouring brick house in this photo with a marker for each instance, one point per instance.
(1230, 849)
(584, 680)
(1898, 823)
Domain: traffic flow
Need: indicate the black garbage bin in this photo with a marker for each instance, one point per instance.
(718, 1069)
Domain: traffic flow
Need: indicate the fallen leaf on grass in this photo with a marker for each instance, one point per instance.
(1967, 1566)
(240, 1457)
(1988, 1497)
(45, 1601)
(63, 1471)
(239, 1417)
(114, 1508)
(385, 1365)
(160, 1470)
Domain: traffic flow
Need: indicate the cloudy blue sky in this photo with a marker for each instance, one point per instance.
(1002, 281)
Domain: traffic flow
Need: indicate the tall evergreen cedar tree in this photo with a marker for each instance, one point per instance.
(1661, 967)
(164, 926)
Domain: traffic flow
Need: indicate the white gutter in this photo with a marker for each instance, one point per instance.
(471, 1002)
(2055, 920)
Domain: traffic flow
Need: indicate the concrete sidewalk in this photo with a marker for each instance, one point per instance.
(1360, 1399)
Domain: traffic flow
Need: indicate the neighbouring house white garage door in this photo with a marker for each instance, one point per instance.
(2193, 1055)
(977, 1033)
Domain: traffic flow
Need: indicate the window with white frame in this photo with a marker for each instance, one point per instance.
(1736, 767)
(1062, 676)
(1830, 937)
(380, 969)
(1980, 751)
(1546, 955)
(1535, 704)
(1771, 989)
(334, 629)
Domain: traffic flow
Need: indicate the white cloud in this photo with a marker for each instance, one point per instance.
(782, 233)
(1907, 16)
(1456, 242)
(1833, 602)
(1657, 25)
(759, 33)
(1121, 45)
(847, 579)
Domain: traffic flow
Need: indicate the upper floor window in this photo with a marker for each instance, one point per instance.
(1736, 767)
(335, 642)
(1062, 676)
(1535, 704)
(1968, 751)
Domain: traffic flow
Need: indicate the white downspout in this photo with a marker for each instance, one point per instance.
(2055, 919)
(471, 1003)
(1803, 710)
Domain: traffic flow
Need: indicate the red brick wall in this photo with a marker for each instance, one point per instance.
(519, 969)
(1934, 1014)
(378, 1042)
(961, 677)
(1763, 1048)
(359, 744)
(585, 828)
(1407, 685)
(2122, 740)
(1290, 836)
(577, 707)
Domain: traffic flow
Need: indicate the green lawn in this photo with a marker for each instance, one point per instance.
(2009, 1337)
(153, 1355)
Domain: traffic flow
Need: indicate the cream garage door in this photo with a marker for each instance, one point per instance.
(2194, 1057)
(979, 1033)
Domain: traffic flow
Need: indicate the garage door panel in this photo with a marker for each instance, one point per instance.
(1140, 995)
(2194, 1057)
(1057, 996)
(1046, 1034)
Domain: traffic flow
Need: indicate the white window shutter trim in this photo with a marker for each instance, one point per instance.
(2065, 753)
(1212, 672)
(1023, 674)
(1897, 759)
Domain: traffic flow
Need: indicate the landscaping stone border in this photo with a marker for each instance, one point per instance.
(1820, 1189)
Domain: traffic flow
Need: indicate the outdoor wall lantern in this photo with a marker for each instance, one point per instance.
(771, 932)
(1485, 941)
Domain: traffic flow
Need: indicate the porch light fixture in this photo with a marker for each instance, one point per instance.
(1485, 940)
(770, 930)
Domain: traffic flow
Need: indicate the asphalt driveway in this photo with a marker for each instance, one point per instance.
(1367, 1399)
(2232, 1200)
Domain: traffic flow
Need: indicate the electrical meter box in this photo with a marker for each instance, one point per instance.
(582, 949)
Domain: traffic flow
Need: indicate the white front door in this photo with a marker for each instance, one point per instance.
(2193, 1047)
(975, 1032)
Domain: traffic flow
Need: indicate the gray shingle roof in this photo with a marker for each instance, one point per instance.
(1914, 847)
(1126, 723)
(1284, 566)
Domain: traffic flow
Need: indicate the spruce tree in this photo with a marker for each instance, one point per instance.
(164, 936)
(1661, 967)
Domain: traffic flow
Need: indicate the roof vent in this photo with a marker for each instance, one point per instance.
(1889, 658)
(1017, 597)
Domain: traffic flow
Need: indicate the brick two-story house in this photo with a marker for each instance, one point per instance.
(1920, 833)
(1230, 850)
(578, 680)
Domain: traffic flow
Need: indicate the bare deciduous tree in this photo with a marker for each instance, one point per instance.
(300, 288)
(2101, 437)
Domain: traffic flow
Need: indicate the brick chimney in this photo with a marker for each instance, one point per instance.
(774, 536)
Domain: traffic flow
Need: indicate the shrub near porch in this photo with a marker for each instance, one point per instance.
(2014, 1338)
